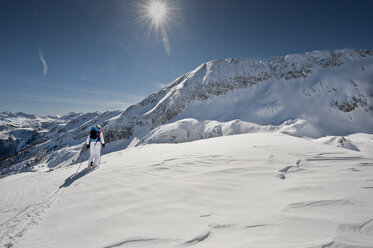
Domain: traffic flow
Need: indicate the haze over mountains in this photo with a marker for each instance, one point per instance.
(316, 94)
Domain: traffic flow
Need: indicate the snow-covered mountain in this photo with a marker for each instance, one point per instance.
(19, 130)
(331, 90)
(313, 94)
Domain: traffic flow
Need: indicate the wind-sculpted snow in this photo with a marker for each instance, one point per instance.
(187, 130)
(251, 190)
(331, 91)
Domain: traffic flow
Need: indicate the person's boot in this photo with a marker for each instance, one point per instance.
(91, 165)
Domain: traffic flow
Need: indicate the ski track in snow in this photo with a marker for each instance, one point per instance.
(33, 215)
(25, 220)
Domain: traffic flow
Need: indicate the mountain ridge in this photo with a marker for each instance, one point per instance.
(310, 86)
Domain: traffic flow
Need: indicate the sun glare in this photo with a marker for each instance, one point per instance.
(157, 10)
(156, 16)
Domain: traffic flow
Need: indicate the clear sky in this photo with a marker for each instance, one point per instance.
(96, 55)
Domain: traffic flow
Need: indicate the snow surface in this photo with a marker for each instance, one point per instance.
(247, 190)
(187, 130)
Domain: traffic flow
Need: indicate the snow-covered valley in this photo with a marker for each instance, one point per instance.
(247, 190)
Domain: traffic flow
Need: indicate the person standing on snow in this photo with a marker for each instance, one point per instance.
(94, 142)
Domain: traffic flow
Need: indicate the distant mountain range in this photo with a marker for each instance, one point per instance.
(313, 94)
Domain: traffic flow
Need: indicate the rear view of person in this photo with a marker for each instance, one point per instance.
(94, 142)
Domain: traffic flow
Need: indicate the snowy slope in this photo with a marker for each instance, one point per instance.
(217, 192)
(331, 90)
(316, 94)
(187, 130)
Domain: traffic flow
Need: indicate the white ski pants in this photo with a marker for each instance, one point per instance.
(95, 152)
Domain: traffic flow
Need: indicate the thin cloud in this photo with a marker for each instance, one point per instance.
(29, 97)
(120, 103)
(160, 85)
(49, 84)
(44, 62)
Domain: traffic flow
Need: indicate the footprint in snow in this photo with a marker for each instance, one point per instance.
(281, 176)
(366, 164)
(205, 215)
(199, 238)
(286, 169)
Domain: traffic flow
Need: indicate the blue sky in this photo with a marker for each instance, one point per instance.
(95, 55)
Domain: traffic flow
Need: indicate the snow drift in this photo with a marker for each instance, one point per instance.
(259, 190)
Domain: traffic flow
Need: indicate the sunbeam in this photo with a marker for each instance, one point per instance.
(157, 15)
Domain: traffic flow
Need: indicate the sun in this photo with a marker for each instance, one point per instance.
(158, 14)
(157, 10)
(157, 17)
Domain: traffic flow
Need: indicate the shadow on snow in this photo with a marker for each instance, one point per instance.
(76, 176)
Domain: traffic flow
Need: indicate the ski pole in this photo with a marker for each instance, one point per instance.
(79, 167)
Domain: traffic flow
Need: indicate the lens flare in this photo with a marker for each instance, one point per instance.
(157, 11)
(156, 18)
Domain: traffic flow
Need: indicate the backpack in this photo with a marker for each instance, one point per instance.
(94, 134)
